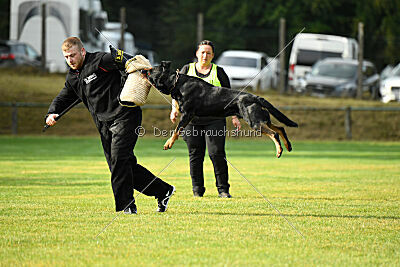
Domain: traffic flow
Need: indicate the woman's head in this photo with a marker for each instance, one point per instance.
(205, 52)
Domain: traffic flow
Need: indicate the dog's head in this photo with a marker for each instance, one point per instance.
(159, 77)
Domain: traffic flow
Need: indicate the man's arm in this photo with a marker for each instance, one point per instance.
(108, 63)
(63, 100)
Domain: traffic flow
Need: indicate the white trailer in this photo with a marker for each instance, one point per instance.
(64, 18)
(111, 35)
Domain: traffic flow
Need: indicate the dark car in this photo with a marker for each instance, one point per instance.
(338, 77)
(14, 54)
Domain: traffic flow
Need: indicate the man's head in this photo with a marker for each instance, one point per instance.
(74, 52)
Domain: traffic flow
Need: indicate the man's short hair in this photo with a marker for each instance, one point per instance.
(70, 42)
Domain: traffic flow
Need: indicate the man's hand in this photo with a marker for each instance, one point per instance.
(174, 114)
(51, 119)
(236, 123)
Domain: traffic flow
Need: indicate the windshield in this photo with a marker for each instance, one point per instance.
(309, 57)
(4, 48)
(336, 70)
(396, 71)
(238, 62)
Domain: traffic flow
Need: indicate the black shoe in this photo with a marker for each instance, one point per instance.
(197, 194)
(163, 202)
(131, 209)
(225, 195)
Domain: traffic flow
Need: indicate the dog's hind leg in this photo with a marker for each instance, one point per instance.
(281, 131)
(274, 137)
(254, 115)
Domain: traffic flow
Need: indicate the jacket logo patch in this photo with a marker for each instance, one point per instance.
(119, 56)
(90, 78)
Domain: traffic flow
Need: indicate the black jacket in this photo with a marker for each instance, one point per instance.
(97, 84)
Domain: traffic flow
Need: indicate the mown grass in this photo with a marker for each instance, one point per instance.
(343, 196)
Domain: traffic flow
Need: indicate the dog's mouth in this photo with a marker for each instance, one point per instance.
(145, 73)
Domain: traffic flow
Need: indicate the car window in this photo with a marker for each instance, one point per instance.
(395, 71)
(238, 61)
(31, 52)
(263, 62)
(19, 49)
(369, 71)
(4, 49)
(309, 57)
(335, 70)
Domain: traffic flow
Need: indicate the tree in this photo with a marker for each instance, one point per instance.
(4, 19)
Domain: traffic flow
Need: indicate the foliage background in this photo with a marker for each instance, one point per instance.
(170, 25)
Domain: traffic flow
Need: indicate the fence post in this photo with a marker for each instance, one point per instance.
(14, 119)
(347, 122)
(360, 60)
(282, 62)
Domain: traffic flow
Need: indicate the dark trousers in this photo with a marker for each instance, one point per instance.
(118, 138)
(212, 135)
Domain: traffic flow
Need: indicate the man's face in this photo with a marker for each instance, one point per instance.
(74, 57)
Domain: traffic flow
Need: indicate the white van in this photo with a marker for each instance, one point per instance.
(308, 48)
(248, 69)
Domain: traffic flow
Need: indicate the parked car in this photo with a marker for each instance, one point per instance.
(386, 72)
(338, 77)
(248, 69)
(308, 48)
(13, 53)
(390, 87)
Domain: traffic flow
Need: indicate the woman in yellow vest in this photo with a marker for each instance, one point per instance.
(207, 131)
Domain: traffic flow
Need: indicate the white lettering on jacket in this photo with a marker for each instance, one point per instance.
(90, 78)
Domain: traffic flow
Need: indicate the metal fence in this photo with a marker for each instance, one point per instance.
(347, 112)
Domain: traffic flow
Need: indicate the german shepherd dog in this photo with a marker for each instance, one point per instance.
(196, 97)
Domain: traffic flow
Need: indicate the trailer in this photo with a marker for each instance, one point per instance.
(64, 18)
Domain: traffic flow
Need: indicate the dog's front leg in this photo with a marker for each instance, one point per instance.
(185, 119)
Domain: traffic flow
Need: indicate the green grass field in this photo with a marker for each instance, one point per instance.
(344, 197)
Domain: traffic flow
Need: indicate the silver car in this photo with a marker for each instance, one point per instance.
(338, 77)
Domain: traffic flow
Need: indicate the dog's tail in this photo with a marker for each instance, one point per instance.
(276, 113)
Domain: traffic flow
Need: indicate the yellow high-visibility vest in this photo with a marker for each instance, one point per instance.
(212, 78)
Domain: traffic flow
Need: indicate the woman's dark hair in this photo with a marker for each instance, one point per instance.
(206, 42)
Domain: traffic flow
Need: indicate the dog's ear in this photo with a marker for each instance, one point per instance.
(166, 64)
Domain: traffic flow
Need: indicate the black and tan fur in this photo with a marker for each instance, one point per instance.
(199, 98)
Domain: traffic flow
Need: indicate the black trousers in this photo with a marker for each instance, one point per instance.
(118, 138)
(212, 135)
